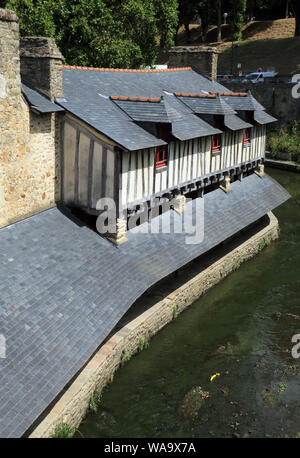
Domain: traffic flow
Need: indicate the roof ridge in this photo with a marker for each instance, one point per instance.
(231, 94)
(126, 70)
(135, 99)
(186, 94)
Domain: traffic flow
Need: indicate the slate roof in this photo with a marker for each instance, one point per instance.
(86, 95)
(241, 103)
(185, 124)
(39, 102)
(97, 96)
(233, 122)
(144, 111)
(63, 288)
(263, 118)
(216, 106)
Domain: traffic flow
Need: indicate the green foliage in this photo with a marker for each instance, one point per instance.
(143, 343)
(262, 245)
(286, 139)
(282, 387)
(175, 312)
(101, 33)
(124, 358)
(63, 431)
(238, 18)
(36, 17)
(95, 401)
(236, 266)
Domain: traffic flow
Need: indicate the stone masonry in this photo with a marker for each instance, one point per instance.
(41, 65)
(29, 143)
(201, 58)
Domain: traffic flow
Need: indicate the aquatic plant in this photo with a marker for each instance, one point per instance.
(192, 402)
(282, 387)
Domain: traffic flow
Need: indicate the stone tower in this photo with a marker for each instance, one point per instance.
(29, 142)
(201, 58)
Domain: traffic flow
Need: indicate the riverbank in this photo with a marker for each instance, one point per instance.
(290, 166)
(150, 314)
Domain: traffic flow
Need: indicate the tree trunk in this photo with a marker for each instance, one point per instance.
(297, 29)
(296, 8)
(287, 8)
(204, 25)
(176, 35)
(219, 10)
(188, 33)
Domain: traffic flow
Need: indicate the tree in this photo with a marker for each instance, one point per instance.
(238, 18)
(187, 12)
(296, 10)
(219, 19)
(205, 10)
(101, 33)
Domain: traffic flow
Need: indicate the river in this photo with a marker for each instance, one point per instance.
(240, 329)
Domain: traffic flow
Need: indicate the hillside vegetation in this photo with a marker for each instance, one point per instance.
(265, 44)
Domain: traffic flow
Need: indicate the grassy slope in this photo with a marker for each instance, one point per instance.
(265, 43)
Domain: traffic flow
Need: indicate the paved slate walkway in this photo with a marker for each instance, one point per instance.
(63, 288)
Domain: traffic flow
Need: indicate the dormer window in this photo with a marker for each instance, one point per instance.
(162, 132)
(216, 139)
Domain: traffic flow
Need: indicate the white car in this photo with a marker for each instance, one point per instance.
(259, 77)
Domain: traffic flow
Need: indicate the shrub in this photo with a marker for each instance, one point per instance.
(286, 139)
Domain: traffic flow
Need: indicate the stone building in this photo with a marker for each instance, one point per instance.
(29, 123)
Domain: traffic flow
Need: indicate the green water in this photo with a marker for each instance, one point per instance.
(242, 329)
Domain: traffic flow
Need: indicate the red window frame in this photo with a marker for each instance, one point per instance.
(216, 139)
(247, 136)
(247, 132)
(162, 132)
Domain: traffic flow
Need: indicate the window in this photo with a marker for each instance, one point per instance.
(216, 139)
(247, 139)
(247, 132)
(162, 132)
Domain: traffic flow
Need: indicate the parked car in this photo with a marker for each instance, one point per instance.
(240, 79)
(259, 77)
(224, 78)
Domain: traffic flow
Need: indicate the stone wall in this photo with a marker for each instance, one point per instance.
(29, 143)
(276, 98)
(204, 59)
(73, 404)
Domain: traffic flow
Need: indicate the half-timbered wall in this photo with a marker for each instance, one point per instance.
(187, 161)
(89, 167)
